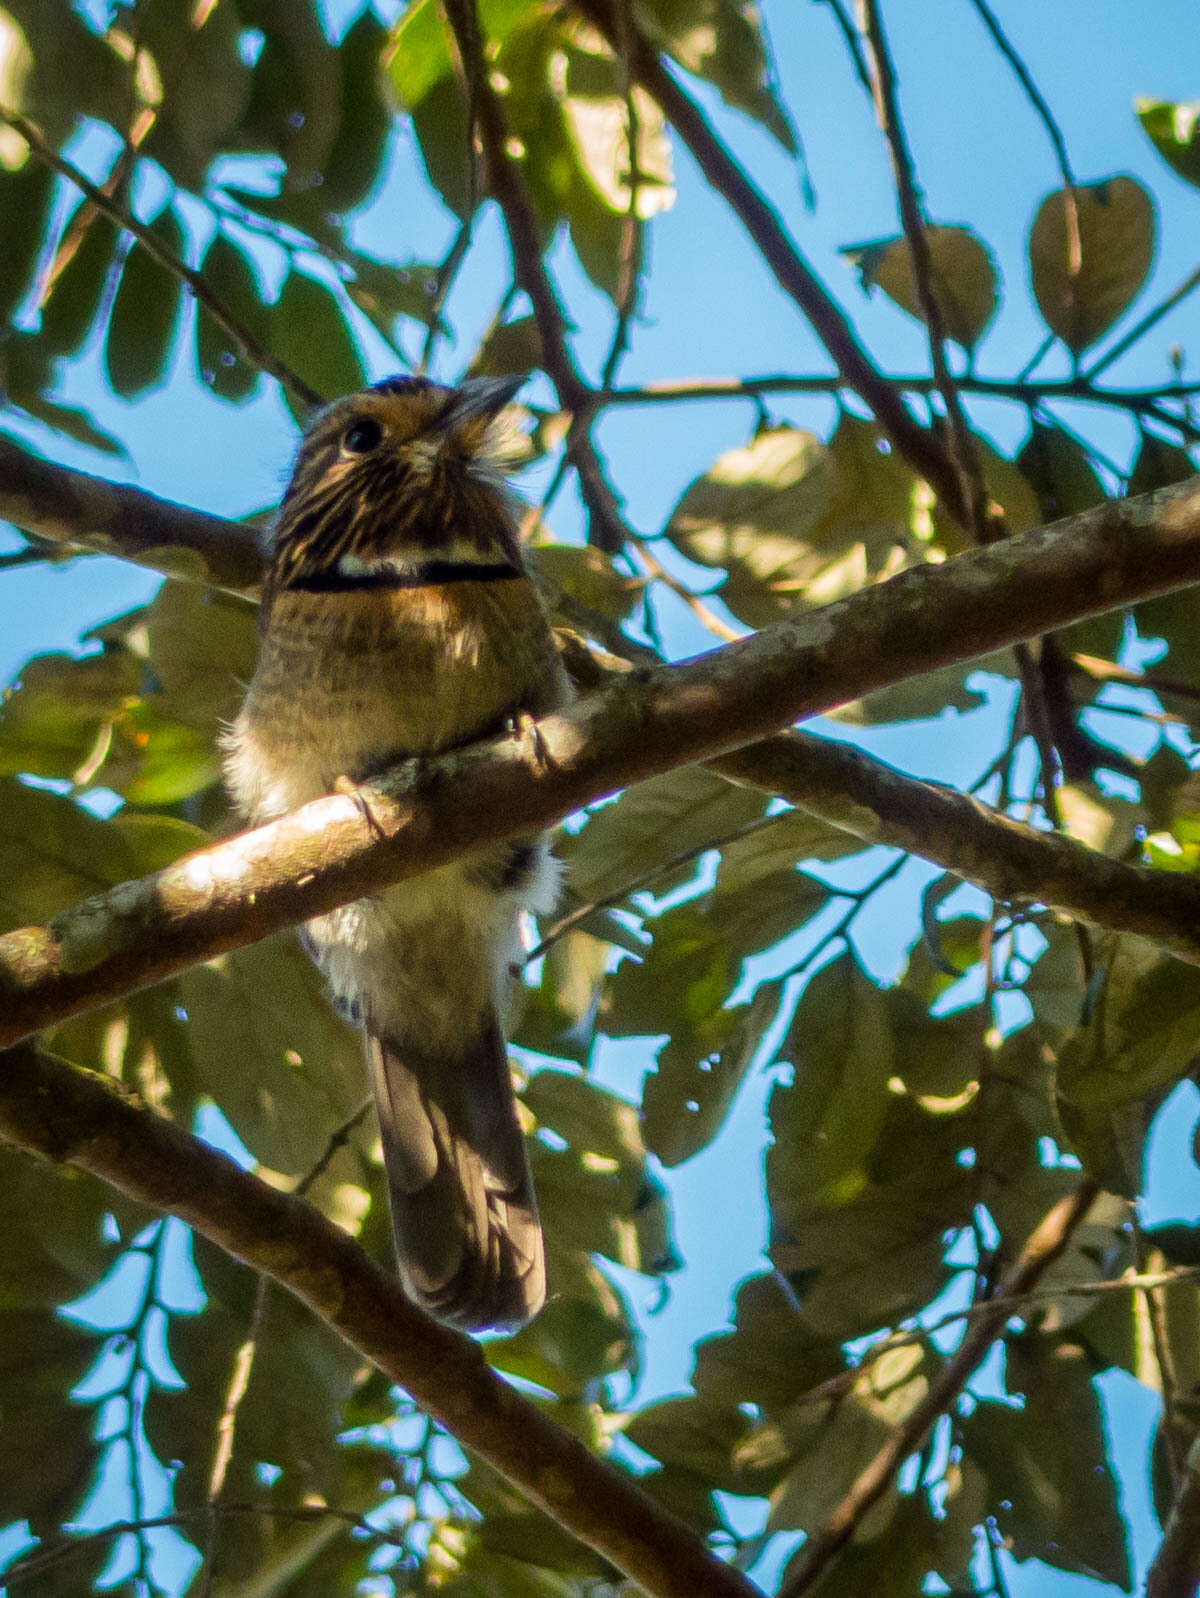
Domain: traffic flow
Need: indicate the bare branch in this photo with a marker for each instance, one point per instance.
(919, 447)
(153, 245)
(1043, 1248)
(66, 1114)
(506, 181)
(424, 813)
(887, 108)
(1014, 863)
(1053, 131)
(70, 507)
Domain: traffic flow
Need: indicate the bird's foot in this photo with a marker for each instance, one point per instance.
(351, 790)
(523, 726)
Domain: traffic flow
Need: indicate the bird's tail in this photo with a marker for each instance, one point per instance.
(468, 1238)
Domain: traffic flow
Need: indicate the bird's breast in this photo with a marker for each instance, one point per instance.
(348, 681)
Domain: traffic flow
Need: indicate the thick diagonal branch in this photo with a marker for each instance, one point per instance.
(75, 508)
(62, 1113)
(425, 813)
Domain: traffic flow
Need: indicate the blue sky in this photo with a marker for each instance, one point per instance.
(711, 308)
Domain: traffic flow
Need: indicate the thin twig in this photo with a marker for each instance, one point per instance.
(963, 452)
(1175, 1569)
(37, 1564)
(918, 445)
(1043, 1248)
(702, 612)
(154, 247)
(573, 918)
(1174, 1445)
(443, 283)
(852, 42)
(629, 265)
(1053, 132)
(1140, 329)
(506, 181)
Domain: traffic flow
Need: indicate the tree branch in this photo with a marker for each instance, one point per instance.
(506, 183)
(1012, 862)
(70, 507)
(425, 813)
(919, 447)
(1043, 1248)
(154, 246)
(1175, 1569)
(66, 1114)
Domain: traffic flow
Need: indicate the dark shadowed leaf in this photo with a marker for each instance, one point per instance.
(145, 315)
(227, 271)
(25, 206)
(698, 1074)
(652, 825)
(1050, 1484)
(311, 335)
(722, 41)
(1117, 236)
(771, 1357)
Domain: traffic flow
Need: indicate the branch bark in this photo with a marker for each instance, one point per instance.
(1043, 1248)
(424, 813)
(65, 1114)
(75, 508)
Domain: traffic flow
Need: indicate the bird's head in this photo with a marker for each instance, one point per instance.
(405, 472)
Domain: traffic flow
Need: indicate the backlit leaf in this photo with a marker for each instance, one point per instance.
(1117, 238)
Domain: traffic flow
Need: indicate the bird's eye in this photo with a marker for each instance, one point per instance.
(361, 437)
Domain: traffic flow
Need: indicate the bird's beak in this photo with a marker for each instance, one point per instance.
(486, 396)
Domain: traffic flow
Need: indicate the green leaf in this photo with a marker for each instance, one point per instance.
(1158, 465)
(771, 1357)
(686, 1099)
(25, 205)
(508, 348)
(1051, 1486)
(826, 1122)
(596, 117)
(227, 271)
(558, 1016)
(299, 1376)
(874, 1258)
(311, 335)
(590, 578)
(55, 721)
(205, 87)
(963, 275)
(145, 315)
(652, 825)
(1117, 241)
(1171, 126)
(295, 98)
(52, 853)
(751, 513)
(268, 1047)
(1142, 1032)
(827, 1451)
(694, 1435)
(76, 295)
(585, 1331)
(723, 42)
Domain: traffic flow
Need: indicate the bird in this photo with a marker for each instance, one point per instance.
(399, 617)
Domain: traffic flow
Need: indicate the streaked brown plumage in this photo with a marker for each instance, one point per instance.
(399, 618)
